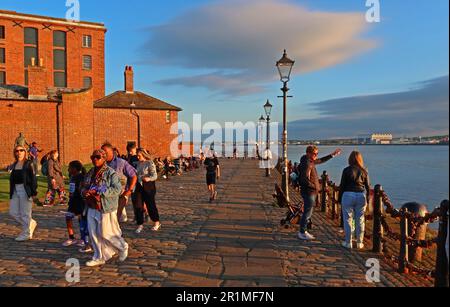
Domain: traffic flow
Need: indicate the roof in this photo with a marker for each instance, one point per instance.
(18, 92)
(123, 100)
(39, 18)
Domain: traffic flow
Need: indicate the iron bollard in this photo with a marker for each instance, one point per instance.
(333, 202)
(441, 279)
(403, 257)
(415, 253)
(324, 191)
(377, 216)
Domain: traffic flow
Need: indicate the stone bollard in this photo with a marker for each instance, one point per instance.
(415, 253)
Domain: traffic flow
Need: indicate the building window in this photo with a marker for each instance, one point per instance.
(168, 117)
(30, 53)
(60, 79)
(2, 56)
(87, 62)
(59, 39)
(2, 77)
(31, 36)
(87, 41)
(31, 49)
(59, 60)
(2, 32)
(87, 82)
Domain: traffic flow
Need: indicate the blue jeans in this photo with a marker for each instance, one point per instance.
(310, 201)
(354, 206)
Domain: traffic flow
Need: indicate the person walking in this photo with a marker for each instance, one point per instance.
(34, 157)
(21, 141)
(212, 174)
(101, 191)
(310, 186)
(128, 178)
(22, 189)
(55, 180)
(354, 196)
(145, 193)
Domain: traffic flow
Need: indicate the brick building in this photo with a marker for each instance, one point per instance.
(52, 87)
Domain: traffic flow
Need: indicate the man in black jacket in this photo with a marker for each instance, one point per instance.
(310, 186)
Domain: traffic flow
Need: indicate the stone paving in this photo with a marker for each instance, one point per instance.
(235, 241)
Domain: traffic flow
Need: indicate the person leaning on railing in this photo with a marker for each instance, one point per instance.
(354, 194)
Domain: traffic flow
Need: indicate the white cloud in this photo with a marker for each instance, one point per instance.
(239, 41)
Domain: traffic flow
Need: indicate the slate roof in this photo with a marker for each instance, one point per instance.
(123, 100)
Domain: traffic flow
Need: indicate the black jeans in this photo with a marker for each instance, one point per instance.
(145, 196)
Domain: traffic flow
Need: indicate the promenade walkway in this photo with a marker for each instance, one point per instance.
(236, 241)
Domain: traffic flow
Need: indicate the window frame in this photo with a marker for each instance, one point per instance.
(168, 117)
(83, 62)
(88, 46)
(3, 73)
(2, 55)
(91, 82)
(2, 32)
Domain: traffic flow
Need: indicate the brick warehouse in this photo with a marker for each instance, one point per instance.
(52, 87)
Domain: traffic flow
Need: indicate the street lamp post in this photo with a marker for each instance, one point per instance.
(268, 109)
(285, 66)
(261, 122)
(136, 114)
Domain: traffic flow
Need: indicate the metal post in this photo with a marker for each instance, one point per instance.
(324, 191)
(333, 202)
(268, 148)
(285, 175)
(377, 216)
(441, 279)
(404, 254)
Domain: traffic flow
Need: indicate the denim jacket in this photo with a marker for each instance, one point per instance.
(109, 197)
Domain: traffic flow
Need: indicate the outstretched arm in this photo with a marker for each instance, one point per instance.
(336, 153)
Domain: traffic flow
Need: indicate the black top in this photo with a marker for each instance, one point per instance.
(211, 165)
(29, 179)
(356, 180)
(133, 160)
(17, 177)
(76, 202)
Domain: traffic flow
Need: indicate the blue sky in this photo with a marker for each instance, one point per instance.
(217, 57)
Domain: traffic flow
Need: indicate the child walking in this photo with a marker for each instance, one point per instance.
(77, 208)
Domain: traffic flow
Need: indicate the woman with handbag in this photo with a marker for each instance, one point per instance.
(146, 191)
(101, 193)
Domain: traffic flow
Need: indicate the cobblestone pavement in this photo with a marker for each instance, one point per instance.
(235, 241)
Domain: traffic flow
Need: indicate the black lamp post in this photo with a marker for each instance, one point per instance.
(261, 123)
(268, 109)
(136, 114)
(285, 66)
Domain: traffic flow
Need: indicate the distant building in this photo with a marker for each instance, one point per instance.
(381, 138)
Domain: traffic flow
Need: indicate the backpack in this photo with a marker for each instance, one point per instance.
(44, 169)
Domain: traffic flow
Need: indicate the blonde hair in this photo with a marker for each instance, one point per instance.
(14, 153)
(356, 159)
(312, 149)
(147, 156)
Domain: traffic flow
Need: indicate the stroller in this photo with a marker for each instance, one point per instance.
(295, 211)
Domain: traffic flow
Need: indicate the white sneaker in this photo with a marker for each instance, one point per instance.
(306, 236)
(360, 246)
(140, 229)
(22, 238)
(95, 262)
(123, 255)
(346, 245)
(33, 226)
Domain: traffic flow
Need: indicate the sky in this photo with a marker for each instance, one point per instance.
(217, 58)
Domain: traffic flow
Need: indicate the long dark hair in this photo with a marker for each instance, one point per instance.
(78, 166)
(356, 160)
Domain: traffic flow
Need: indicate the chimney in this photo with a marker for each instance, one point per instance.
(129, 82)
(37, 81)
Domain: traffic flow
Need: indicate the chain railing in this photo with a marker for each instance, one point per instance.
(411, 238)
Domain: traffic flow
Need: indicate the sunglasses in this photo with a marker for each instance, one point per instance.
(96, 157)
(19, 150)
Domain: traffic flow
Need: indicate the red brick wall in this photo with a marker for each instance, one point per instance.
(77, 127)
(119, 127)
(37, 120)
(14, 45)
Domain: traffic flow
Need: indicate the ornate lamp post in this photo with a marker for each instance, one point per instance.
(261, 123)
(285, 66)
(268, 110)
(136, 114)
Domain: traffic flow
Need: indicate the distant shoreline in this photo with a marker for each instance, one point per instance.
(370, 144)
